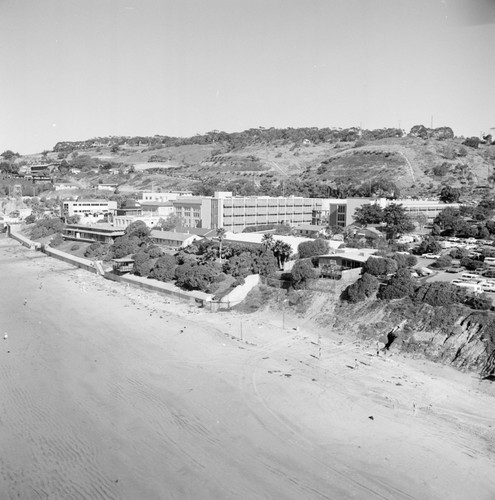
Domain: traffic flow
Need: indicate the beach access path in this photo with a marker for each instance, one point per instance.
(111, 392)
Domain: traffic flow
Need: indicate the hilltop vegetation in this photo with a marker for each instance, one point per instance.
(293, 161)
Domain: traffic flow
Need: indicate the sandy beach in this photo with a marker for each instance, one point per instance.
(116, 393)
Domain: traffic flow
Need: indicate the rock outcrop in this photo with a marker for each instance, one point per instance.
(454, 335)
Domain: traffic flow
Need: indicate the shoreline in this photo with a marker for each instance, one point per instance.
(146, 397)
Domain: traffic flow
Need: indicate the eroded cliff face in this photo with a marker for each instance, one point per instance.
(454, 335)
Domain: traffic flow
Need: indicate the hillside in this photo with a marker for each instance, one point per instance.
(308, 162)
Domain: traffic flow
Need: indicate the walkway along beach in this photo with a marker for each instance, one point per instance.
(110, 392)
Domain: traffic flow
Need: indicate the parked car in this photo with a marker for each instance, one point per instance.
(453, 269)
(489, 274)
(430, 256)
(488, 287)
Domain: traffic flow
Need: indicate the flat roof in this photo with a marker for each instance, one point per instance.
(171, 235)
(356, 254)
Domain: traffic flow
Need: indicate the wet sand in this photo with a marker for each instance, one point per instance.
(115, 393)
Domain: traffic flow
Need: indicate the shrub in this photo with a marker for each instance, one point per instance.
(471, 264)
(75, 247)
(302, 272)
(142, 263)
(193, 276)
(47, 227)
(57, 240)
(401, 285)
(307, 249)
(458, 253)
(411, 260)
(164, 268)
(441, 262)
(378, 266)
(364, 287)
(483, 302)
(438, 293)
(429, 246)
(98, 251)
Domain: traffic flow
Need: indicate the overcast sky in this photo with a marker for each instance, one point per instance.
(77, 69)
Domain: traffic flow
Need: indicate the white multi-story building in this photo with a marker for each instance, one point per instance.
(235, 213)
(88, 207)
(162, 197)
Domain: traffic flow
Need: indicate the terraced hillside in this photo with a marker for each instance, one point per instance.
(273, 164)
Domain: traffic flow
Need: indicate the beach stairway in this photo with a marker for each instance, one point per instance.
(99, 267)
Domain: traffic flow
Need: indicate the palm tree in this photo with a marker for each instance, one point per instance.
(221, 236)
(267, 241)
(281, 251)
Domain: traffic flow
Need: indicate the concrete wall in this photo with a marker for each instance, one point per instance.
(160, 287)
(87, 265)
(13, 233)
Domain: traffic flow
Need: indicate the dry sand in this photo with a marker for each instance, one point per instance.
(108, 393)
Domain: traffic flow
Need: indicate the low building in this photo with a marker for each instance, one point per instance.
(162, 197)
(173, 239)
(104, 233)
(256, 240)
(123, 221)
(59, 186)
(160, 208)
(309, 230)
(200, 231)
(123, 265)
(346, 258)
(106, 187)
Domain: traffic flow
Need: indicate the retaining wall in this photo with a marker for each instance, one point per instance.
(23, 240)
(160, 287)
(87, 265)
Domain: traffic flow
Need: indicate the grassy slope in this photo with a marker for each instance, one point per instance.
(408, 161)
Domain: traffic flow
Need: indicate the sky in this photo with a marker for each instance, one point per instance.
(78, 69)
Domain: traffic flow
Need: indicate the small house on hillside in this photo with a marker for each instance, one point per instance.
(332, 265)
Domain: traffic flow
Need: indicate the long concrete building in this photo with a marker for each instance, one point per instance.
(236, 213)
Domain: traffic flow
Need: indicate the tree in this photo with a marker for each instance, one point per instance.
(9, 155)
(472, 142)
(449, 194)
(363, 288)
(193, 276)
(442, 262)
(449, 219)
(379, 266)
(265, 264)
(240, 265)
(170, 222)
(142, 263)
(139, 229)
(429, 245)
(282, 252)
(267, 241)
(397, 221)
(164, 268)
(400, 285)
(221, 236)
(302, 272)
(125, 245)
(368, 214)
(307, 249)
